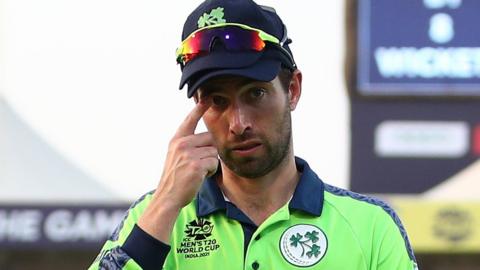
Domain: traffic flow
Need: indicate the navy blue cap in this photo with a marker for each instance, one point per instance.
(262, 66)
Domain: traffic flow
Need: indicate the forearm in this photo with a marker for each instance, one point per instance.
(158, 220)
(130, 247)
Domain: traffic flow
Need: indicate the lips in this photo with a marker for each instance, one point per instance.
(246, 146)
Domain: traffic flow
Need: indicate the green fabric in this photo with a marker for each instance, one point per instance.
(133, 214)
(360, 236)
(224, 246)
(356, 235)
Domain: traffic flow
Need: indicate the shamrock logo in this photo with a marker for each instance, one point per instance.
(307, 243)
(303, 245)
(215, 17)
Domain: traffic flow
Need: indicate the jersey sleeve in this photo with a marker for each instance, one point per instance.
(129, 247)
(392, 247)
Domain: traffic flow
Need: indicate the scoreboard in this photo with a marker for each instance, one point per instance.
(415, 115)
(418, 48)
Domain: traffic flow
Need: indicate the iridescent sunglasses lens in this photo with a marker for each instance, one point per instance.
(233, 39)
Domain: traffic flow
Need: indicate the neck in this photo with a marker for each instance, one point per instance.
(260, 197)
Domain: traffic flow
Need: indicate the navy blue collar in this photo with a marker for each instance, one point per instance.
(308, 195)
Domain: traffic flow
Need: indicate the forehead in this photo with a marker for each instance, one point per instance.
(227, 82)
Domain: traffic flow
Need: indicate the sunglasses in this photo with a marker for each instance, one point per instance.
(235, 37)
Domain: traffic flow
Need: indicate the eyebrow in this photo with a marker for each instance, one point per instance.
(218, 85)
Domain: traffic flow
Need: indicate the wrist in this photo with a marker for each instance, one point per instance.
(158, 220)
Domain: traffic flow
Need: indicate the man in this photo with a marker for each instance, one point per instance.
(257, 206)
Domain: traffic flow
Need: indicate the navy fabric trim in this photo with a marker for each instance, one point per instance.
(308, 195)
(233, 212)
(210, 197)
(378, 202)
(115, 234)
(114, 259)
(145, 250)
(248, 231)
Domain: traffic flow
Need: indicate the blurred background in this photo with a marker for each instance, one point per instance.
(89, 100)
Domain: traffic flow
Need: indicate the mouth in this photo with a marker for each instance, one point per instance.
(246, 148)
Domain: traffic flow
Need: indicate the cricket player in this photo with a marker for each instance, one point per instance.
(236, 197)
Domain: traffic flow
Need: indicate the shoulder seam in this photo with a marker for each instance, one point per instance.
(116, 233)
(379, 203)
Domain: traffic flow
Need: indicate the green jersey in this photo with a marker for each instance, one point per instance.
(321, 227)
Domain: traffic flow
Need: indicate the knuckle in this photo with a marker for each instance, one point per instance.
(210, 162)
(195, 166)
(172, 142)
(181, 144)
(215, 162)
(187, 156)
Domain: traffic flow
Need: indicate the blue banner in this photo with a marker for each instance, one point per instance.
(419, 47)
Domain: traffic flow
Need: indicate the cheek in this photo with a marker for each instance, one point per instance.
(273, 110)
(278, 119)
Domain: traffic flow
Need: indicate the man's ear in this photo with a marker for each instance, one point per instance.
(295, 89)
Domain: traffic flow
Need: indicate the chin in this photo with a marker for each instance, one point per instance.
(250, 167)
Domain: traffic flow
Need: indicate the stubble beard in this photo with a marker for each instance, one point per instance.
(276, 151)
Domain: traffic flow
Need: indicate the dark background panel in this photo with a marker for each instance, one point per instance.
(373, 174)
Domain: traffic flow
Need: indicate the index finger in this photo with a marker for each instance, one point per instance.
(189, 125)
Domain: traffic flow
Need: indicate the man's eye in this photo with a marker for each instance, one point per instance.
(219, 101)
(257, 93)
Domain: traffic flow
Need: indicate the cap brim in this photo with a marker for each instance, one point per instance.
(264, 70)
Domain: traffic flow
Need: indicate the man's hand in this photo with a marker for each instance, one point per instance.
(191, 157)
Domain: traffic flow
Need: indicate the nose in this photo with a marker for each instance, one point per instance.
(239, 120)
